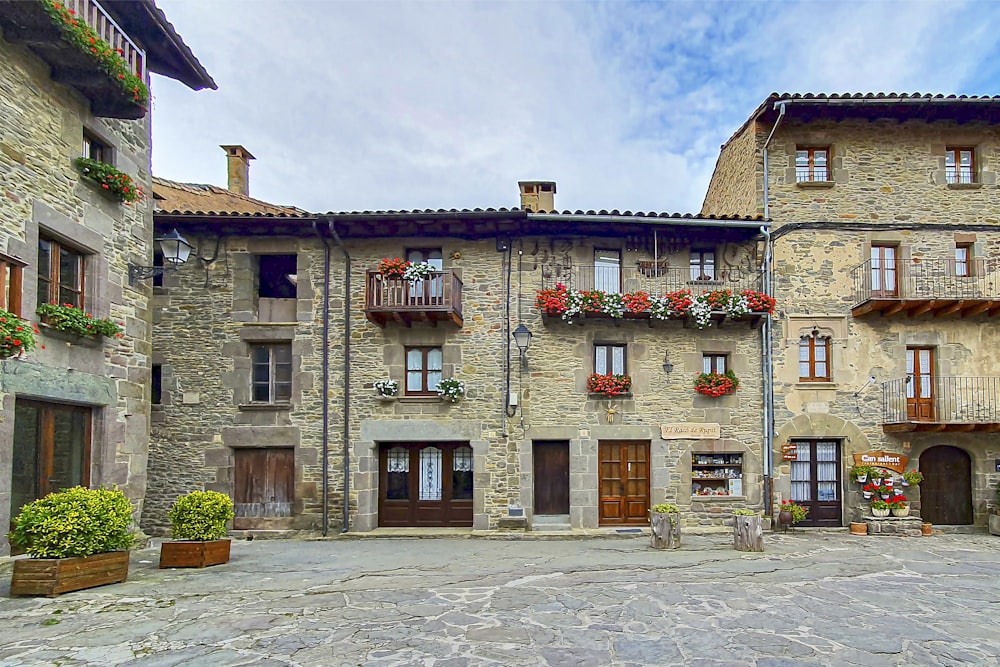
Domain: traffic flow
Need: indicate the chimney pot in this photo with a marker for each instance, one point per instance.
(238, 158)
(538, 195)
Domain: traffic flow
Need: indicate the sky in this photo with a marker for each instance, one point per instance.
(378, 105)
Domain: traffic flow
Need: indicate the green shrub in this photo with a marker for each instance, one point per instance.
(742, 512)
(201, 515)
(74, 522)
(665, 508)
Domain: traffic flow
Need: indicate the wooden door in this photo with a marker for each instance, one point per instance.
(551, 465)
(920, 384)
(264, 486)
(884, 267)
(816, 481)
(624, 482)
(425, 485)
(946, 492)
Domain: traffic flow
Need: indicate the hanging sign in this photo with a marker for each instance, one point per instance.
(880, 459)
(789, 452)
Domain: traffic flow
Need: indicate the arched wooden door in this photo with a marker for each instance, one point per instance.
(946, 492)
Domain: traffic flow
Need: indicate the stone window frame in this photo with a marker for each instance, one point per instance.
(241, 380)
(812, 342)
(95, 146)
(424, 390)
(11, 284)
(273, 385)
(834, 161)
(812, 171)
(983, 174)
(830, 327)
(712, 358)
(54, 277)
(609, 356)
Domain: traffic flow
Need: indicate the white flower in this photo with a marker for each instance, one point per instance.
(417, 271)
(386, 387)
(451, 389)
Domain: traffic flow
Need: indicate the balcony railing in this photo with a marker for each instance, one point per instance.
(941, 404)
(437, 298)
(28, 23)
(652, 279)
(942, 287)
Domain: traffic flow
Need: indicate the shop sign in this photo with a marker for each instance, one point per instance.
(880, 459)
(690, 431)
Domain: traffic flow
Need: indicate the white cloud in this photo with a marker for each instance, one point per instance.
(381, 105)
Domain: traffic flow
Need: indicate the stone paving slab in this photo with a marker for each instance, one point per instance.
(811, 599)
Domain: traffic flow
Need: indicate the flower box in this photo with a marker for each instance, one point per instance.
(55, 576)
(93, 340)
(194, 553)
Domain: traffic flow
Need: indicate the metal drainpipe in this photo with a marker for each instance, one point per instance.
(766, 332)
(326, 379)
(347, 378)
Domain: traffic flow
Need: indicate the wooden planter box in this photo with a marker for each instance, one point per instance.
(191, 553)
(54, 576)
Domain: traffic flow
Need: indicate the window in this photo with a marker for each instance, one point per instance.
(60, 273)
(272, 373)
(960, 165)
(883, 270)
(277, 276)
(812, 164)
(814, 359)
(95, 149)
(609, 360)
(10, 286)
(963, 259)
(702, 264)
(608, 271)
(156, 382)
(423, 369)
(715, 363)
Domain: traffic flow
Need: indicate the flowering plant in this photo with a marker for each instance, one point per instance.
(451, 389)
(609, 385)
(110, 179)
(386, 387)
(665, 508)
(552, 301)
(67, 317)
(417, 271)
(879, 504)
(16, 335)
(637, 302)
(77, 32)
(671, 305)
(798, 511)
(716, 384)
(758, 302)
(859, 473)
(393, 268)
(898, 501)
(913, 477)
(869, 488)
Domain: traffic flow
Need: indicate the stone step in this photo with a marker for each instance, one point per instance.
(550, 518)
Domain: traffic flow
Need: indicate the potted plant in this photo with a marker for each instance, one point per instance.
(868, 490)
(880, 508)
(876, 476)
(393, 268)
(791, 513)
(417, 271)
(75, 539)
(198, 524)
(386, 390)
(450, 389)
(116, 183)
(860, 473)
(665, 526)
(898, 505)
(912, 477)
(16, 335)
(884, 491)
(748, 533)
(609, 385)
(77, 322)
(716, 384)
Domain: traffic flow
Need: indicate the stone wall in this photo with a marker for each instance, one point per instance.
(41, 132)
(734, 188)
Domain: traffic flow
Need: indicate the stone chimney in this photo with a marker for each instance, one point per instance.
(538, 195)
(239, 169)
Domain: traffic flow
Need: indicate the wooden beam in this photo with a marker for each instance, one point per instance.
(924, 308)
(977, 309)
(950, 310)
(962, 428)
(897, 428)
(864, 309)
(895, 308)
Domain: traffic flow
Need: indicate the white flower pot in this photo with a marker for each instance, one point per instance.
(862, 478)
(880, 513)
(901, 511)
(867, 494)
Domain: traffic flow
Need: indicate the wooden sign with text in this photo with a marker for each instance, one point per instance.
(880, 459)
(690, 431)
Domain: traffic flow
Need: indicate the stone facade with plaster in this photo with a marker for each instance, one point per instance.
(887, 186)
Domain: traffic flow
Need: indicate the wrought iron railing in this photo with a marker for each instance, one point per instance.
(926, 279)
(439, 291)
(941, 400)
(648, 278)
(91, 13)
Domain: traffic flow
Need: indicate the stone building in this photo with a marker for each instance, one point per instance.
(76, 412)
(885, 213)
(268, 347)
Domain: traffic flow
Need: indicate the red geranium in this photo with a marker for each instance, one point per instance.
(552, 301)
(759, 302)
(637, 302)
(393, 268)
(609, 385)
(716, 384)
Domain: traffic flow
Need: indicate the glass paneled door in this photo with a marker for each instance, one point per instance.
(920, 384)
(884, 271)
(431, 290)
(51, 450)
(425, 485)
(608, 271)
(816, 481)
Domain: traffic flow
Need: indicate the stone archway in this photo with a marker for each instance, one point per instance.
(946, 492)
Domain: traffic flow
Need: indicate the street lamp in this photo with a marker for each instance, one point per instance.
(175, 250)
(522, 338)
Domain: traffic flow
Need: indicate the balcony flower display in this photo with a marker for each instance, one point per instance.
(899, 505)
(552, 301)
(450, 389)
(609, 385)
(716, 384)
(393, 268)
(116, 183)
(417, 271)
(672, 305)
(76, 31)
(69, 318)
(386, 388)
(16, 335)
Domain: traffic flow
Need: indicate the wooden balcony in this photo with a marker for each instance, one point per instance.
(941, 404)
(938, 287)
(438, 298)
(27, 23)
(655, 281)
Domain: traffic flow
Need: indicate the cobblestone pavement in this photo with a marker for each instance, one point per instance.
(814, 598)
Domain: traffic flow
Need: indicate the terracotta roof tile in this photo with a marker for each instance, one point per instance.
(173, 198)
